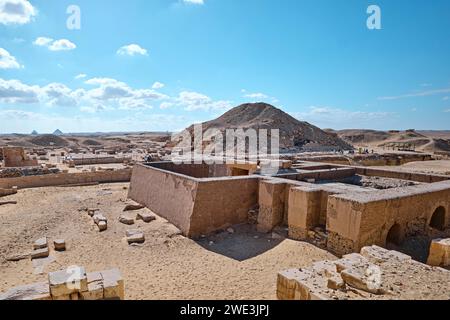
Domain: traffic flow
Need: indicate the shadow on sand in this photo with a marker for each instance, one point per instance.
(242, 244)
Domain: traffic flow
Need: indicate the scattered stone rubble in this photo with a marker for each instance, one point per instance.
(376, 273)
(135, 236)
(72, 284)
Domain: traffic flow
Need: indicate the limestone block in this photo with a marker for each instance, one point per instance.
(113, 284)
(439, 253)
(40, 253)
(95, 287)
(350, 260)
(136, 238)
(35, 291)
(98, 218)
(102, 225)
(366, 277)
(377, 254)
(40, 243)
(286, 284)
(336, 283)
(145, 216)
(126, 220)
(66, 282)
(59, 244)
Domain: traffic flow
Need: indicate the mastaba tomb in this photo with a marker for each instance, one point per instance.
(346, 207)
(16, 157)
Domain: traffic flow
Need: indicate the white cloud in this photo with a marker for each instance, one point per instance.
(340, 118)
(256, 95)
(16, 12)
(417, 94)
(192, 101)
(158, 85)
(55, 45)
(62, 45)
(42, 41)
(194, 1)
(445, 98)
(132, 50)
(14, 91)
(448, 110)
(81, 76)
(165, 105)
(7, 61)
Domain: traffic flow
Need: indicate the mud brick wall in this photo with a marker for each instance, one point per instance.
(195, 206)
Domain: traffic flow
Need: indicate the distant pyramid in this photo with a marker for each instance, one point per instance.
(58, 132)
(34, 133)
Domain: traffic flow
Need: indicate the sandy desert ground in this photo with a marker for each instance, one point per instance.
(242, 265)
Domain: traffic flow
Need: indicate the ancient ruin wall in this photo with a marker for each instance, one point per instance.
(61, 179)
(195, 206)
(361, 219)
(222, 202)
(168, 194)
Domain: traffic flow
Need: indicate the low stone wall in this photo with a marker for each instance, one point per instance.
(98, 160)
(195, 206)
(411, 176)
(7, 192)
(60, 179)
(356, 220)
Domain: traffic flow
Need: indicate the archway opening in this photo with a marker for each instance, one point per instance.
(394, 236)
(438, 219)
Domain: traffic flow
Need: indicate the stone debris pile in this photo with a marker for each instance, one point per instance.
(375, 273)
(72, 283)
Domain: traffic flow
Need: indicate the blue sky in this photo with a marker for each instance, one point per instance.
(158, 65)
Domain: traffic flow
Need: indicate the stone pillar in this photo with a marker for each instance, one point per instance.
(303, 211)
(271, 204)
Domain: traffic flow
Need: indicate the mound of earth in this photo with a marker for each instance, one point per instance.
(421, 141)
(295, 135)
(90, 142)
(49, 140)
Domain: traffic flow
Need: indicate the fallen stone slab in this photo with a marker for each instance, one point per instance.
(18, 257)
(126, 220)
(99, 217)
(36, 291)
(65, 282)
(145, 216)
(135, 236)
(40, 243)
(133, 207)
(59, 244)
(40, 253)
(2, 203)
(367, 278)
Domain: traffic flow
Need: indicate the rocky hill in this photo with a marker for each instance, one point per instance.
(295, 135)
